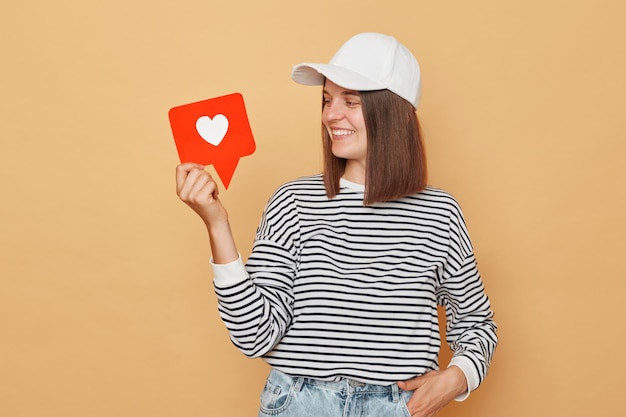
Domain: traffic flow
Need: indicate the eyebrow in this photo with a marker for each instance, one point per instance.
(345, 93)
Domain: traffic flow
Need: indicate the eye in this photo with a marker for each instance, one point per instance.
(325, 101)
(352, 103)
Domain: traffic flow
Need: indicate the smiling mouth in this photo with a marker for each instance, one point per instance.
(342, 132)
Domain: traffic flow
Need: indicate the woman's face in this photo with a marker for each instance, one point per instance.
(343, 118)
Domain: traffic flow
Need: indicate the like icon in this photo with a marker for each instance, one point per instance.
(214, 131)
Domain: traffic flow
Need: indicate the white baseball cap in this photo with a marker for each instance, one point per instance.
(367, 62)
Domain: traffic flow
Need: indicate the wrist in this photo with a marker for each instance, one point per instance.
(217, 226)
(458, 380)
(223, 246)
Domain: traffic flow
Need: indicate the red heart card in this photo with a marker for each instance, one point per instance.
(214, 131)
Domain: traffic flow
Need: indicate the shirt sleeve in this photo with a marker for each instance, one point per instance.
(470, 329)
(255, 302)
(232, 273)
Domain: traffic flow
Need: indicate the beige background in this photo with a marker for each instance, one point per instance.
(106, 303)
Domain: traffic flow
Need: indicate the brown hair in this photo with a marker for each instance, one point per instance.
(396, 158)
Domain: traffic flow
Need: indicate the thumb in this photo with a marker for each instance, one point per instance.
(411, 384)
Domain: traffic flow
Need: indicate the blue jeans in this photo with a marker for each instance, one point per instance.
(286, 396)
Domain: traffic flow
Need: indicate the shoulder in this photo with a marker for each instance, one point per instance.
(306, 182)
(307, 185)
(436, 198)
(301, 188)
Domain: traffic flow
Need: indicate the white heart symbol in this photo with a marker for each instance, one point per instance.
(212, 130)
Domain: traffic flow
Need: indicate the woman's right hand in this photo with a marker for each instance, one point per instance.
(196, 188)
(199, 191)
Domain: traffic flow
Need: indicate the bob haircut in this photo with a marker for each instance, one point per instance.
(396, 158)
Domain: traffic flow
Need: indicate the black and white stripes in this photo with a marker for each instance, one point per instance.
(337, 289)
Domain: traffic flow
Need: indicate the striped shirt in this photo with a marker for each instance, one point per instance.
(337, 289)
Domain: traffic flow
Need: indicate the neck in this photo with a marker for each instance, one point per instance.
(355, 172)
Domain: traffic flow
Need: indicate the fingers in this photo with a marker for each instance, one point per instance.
(182, 171)
(195, 185)
(432, 391)
(202, 189)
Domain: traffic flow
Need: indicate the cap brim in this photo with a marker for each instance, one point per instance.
(314, 74)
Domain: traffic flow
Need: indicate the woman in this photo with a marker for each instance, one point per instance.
(341, 290)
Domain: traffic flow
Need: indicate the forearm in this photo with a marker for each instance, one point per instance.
(473, 350)
(470, 329)
(255, 317)
(223, 247)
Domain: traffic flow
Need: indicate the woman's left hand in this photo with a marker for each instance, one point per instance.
(434, 390)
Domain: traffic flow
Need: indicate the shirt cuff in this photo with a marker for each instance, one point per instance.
(471, 376)
(225, 275)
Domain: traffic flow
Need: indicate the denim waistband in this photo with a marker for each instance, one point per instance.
(349, 386)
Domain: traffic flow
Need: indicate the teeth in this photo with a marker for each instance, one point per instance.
(342, 132)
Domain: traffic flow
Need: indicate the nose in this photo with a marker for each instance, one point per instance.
(332, 111)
